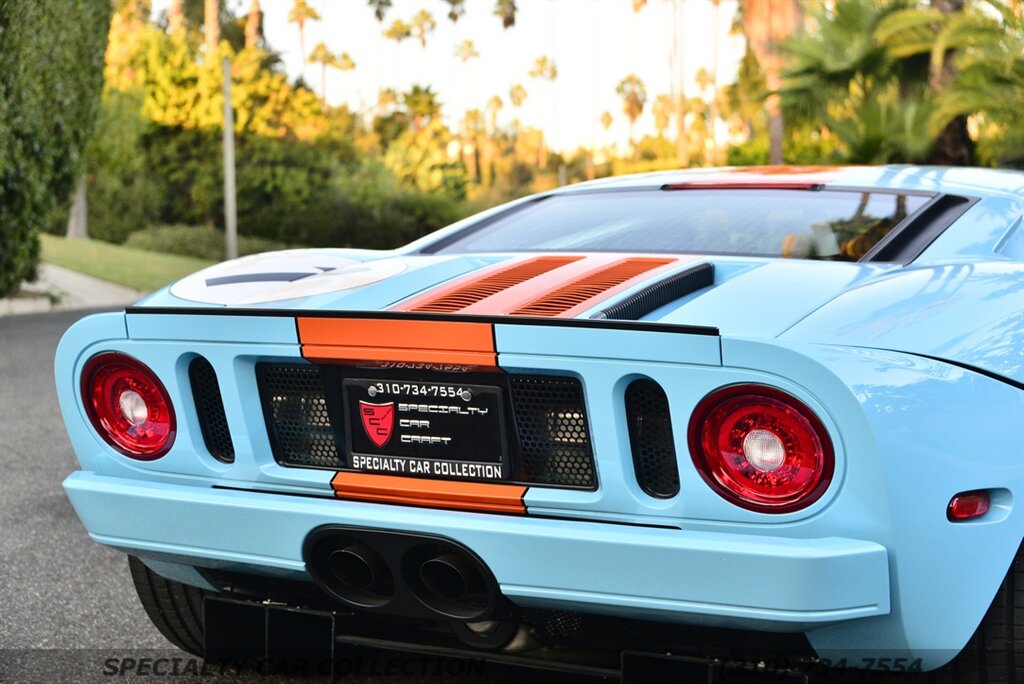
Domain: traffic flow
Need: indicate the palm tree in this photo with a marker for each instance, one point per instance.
(662, 110)
(606, 120)
(325, 58)
(211, 24)
(380, 8)
(634, 95)
(398, 31)
(253, 24)
(387, 100)
(175, 17)
(494, 106)
(422, 24)
(517, 95)
(675, 61)
(422, 104)
(466, 51)
(300, 13)
(766, 24)
(544, 69)
(877, 106)
(976, 65)
(506, 10)
(456, 8)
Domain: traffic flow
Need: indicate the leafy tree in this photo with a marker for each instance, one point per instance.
(606, 120)
(51, 66)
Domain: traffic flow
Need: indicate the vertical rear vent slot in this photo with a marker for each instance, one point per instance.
(298, 421)
(571, 296)
(651, 439)
(470, 293)
(551, 424)
(210, 409)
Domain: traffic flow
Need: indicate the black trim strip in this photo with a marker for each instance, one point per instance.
(416, 316)
(908, 239)
(968, 367)
(659, 294)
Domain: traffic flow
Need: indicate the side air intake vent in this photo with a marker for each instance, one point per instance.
(570, 297)
(650, 436)
(210, 409)
(554, 437)
(295, 409)
(468, 294)
(659, 294)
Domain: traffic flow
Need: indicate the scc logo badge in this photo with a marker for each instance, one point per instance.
(378, 421)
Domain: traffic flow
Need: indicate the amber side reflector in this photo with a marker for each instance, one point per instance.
(463, 496)
(968, 506)
(467, 292)
(574, 297)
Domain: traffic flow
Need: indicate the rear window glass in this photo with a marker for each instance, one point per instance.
(824, 224)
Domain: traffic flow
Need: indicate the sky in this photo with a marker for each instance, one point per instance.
(594, 43)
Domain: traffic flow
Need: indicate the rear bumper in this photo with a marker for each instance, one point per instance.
(729, 580)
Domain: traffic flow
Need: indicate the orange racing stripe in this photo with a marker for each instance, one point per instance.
(463, 496)
(368, 340)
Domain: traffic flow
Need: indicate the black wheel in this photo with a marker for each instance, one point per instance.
(175, 609)
(995, 654)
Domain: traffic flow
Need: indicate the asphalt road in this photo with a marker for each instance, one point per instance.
(68, 610)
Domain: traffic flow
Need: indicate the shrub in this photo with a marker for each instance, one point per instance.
(202, 242)
(51, 70)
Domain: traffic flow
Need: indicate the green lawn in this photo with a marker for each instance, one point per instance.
(134, 268)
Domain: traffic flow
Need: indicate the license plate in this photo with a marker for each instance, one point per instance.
(425, 429)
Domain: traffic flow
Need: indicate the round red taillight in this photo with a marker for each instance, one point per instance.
(128, 406)
(761, 448)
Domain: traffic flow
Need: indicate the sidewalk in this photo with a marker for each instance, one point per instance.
(59, 289)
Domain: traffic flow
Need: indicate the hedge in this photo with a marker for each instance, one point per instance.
(51, 76)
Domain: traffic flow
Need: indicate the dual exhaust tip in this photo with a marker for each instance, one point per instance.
(412, 575)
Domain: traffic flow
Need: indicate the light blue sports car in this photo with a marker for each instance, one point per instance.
(668, 423)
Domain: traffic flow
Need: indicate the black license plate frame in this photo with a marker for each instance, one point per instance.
(433, 431)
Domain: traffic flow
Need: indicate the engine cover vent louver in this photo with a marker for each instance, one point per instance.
(571, 298)
(655, 296)
(210, 410)
(651, 439)
(466, 295)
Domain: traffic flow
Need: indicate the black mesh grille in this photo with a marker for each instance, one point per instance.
(554, 438)
(298, 422)
(210, 409)
(650, 435)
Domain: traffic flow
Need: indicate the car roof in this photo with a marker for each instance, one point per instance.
(947, 179)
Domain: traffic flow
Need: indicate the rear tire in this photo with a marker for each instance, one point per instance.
(174, 608)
